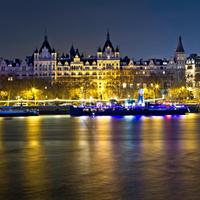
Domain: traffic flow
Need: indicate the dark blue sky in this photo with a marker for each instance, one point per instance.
(142, 28)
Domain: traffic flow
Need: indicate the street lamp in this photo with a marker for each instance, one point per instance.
(46, 97)
(10, 79)
(156, 86)
(155, 90)
(33, 90)
(82, 92)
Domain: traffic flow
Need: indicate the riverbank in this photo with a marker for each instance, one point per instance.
(63, 110)
(194, 108)
(51, 110)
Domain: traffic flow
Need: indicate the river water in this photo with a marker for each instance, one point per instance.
(101, 158)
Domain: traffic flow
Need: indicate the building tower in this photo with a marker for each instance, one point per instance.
(72, 52)
(45, 61)
(180, 59)
(180, 54)
(108, 59)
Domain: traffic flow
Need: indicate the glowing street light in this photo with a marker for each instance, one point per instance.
(157, 86)
(155, 91)
(34, 90)
(10, 79)
(182, 88)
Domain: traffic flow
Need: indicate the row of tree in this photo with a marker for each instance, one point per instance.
(122, 86)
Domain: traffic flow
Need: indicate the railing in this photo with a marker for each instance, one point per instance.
(68, 100)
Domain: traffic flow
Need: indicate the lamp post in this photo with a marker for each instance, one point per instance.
(10, 79)
(33, 90)
(82, 95)
(46, 97)
(156, 89)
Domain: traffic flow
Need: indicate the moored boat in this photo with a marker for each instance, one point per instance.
(123, 111)
(17, 112)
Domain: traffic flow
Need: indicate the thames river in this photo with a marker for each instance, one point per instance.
(101, 158)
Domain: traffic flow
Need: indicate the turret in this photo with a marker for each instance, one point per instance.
(180, 54)
(99, 53)
(180, 59)
(72, 52)
(117, 53)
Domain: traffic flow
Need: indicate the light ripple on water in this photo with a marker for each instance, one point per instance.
(59, 157)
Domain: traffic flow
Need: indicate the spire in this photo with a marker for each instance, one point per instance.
(108, 35)
(45, 44)
(108, 43)
(63, 56)
(72, 51)
(180, 48)
(45, 38)
(117, 49)
(36, 50)
(99, 49)
(45, 35)
(77, 53)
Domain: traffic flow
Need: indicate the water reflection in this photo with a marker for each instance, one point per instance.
(33, 132)
(103, 157)
(1, 133)
(34, 160)
(4, 175)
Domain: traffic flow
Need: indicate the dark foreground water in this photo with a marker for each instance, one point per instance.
(102, 158)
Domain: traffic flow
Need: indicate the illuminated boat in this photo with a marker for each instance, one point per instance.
(13, 112)
(149, 110)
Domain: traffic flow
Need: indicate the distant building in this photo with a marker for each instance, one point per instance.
(45, 61)
(170, 72)
(17, 68)
(106, 69)
(180, 59)
(193, 71)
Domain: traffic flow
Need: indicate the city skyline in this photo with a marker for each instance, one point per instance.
(82, 52)
(142, 29)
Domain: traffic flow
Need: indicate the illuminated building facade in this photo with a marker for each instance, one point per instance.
(17, 68)
(106, 72)
(45, 61)
(103, 71)
(168, 72)
(193, 71)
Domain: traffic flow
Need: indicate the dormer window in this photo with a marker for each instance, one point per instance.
(45, 53)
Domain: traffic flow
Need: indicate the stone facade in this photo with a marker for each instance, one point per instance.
(18, 68)
(106, 64)
(193, 71)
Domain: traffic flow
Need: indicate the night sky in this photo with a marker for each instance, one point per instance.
(141, 28)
